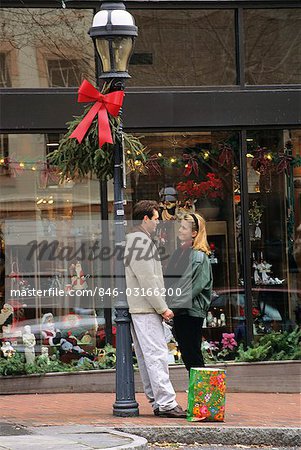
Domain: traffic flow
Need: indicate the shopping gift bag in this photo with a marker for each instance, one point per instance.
(206, 395)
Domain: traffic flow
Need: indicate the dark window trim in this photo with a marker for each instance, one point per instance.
(156, 4)
(236, 108)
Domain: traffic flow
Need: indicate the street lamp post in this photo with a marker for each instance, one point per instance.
(113, 32)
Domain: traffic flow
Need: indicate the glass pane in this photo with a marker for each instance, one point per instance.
(273, 46)
(184, 48)
(198, 172)
(274, 218)
(45, 47)
(102, 46)
(122, 51)
(49, 236)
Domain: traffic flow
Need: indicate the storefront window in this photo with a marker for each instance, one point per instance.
(184, 48)
(273, 46)
(52, 247)
(274, 218)
(43, 48)
(49, 273)
(198, 172)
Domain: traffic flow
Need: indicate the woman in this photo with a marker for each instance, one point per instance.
(189, 278)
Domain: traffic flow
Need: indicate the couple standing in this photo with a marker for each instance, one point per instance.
(188, 273)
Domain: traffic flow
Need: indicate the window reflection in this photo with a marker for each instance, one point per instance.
(273, 46)
(183, 48)
(45, 47)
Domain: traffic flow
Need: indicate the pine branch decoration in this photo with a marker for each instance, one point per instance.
(77, 161)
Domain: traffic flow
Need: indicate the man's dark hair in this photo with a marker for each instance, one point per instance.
(144, 208)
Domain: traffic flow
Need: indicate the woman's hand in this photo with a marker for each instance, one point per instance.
(168, 314)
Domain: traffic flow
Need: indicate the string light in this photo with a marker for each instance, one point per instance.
(160, 155)
(44, 200)
(206, 155)
(22, 165)
(33, 168)
(173, 160)
(269, 156)
(249, 155)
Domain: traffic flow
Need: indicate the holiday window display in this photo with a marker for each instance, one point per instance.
(6, 320)
(7, 349)
(29, 342)
(50, 334)
(69, 349)
(17, 282)
(263, 271)
(44, 356)
(255, 216)
(212, 321)
(78, 278)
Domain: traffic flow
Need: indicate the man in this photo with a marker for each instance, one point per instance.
(145, 289)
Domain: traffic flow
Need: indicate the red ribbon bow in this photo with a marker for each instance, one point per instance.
(111, 103)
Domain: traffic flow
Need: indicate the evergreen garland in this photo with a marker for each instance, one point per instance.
(75, 160)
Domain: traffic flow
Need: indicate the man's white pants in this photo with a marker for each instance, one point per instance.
(152, 355)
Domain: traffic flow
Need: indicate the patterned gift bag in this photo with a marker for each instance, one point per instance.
(206, 395)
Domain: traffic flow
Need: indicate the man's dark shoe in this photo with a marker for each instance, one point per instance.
(175, 413)
(156, 412)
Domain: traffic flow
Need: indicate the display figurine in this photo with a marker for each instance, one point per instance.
(182, 209)
(44, 356)
(223, 320)
(29, 342)
(257, 233)
(6, 319)
(50, 334)
(214, 322)
(265, 268)
(213, 259)
(257, 279)
(70, 345)
(209, 319)
(7, 349)
(78, 279)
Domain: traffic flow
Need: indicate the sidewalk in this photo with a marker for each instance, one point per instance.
(270, 419)
(242, 410)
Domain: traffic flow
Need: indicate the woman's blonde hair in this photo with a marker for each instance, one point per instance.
(198, 224)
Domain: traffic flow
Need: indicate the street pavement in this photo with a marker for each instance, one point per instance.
(85, 421)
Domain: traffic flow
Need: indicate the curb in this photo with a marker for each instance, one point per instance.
(73, 437)
(287, 437)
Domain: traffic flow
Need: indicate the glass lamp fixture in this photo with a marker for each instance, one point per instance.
(113, 32)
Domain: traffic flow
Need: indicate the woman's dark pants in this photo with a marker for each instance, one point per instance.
(188, 333)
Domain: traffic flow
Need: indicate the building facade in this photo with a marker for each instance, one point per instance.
(215, 97)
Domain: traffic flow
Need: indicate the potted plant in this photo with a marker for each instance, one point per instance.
(206, 194)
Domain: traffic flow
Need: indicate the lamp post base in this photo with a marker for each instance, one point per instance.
(125, 409)
(125, 404)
